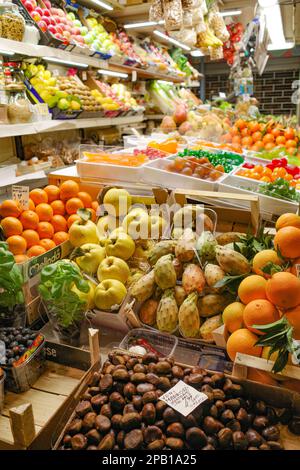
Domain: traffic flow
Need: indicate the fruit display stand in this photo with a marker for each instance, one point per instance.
(28, 419)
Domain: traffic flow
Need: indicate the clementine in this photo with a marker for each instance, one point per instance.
(288, 220)
(262, 258)
(259, 312)
(60, 237)
(35, 250)
(68, 189)
(44, 212)
(11, 226)
(38, 196)
(85, 198)
(283, 290)
(72, 219)
(251, 288)
(29, 220)
(10, 208)
(17, 244)
(45, 230)
(242, 341)
(52, 192)
(59, 223)
(287, 239)
(31, 205)
(47, 244)
(58, 207)
(73, 204)
(31, 237)
(95, 205)
(19, 259)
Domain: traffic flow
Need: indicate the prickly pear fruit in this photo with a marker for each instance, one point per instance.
(232, 262)
(144, 287)
(162, 248)
(164, 272)
(193, 279)
(185, 248)
(179, 294)
(167, 312)
(188, 317)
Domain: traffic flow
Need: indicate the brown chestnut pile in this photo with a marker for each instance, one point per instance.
(121, 409)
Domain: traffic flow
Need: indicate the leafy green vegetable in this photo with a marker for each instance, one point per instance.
(278, 336)
(279, 189)
(57, 281)
(11, 279)
(231, 283)
(249, 245)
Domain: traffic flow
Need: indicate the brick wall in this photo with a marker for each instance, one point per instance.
(273, 89)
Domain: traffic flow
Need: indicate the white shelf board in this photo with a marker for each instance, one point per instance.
(11, 130)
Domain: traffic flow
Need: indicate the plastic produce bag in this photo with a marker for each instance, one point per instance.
(187, 19)
(217, 24)
(216, 53)
(173, 14)
(189, 37)
(156, 11)
(197, 16)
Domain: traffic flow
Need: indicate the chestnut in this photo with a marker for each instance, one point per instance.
(139, 368)
(294, 425)
(138, 377)
(129, 408)
(120, 438)
(117, 402)
(175, 430)
(152, 378)
(149, 397)
(163, 368)
(156, 445)
(177, 372)
(75, 426)
(225, 438)
(211, 425)
(260, 423)
(116, 421)
(254, 438)
(196, 438)
(102, 424)
(93, 437)
(134, 439)
(137, 402)
(164, 383)
(82, 408)
(233, 404)
(170, 415)
(174, 443)
(144, 387)
(149, 357)
(105, 383)
(271, 433)
(129, 390)
(149, 413)
(227, 416)
(152, 433)
(240, 441)
(78, 442)
(131, 421)
(88, 421)
(107, 443)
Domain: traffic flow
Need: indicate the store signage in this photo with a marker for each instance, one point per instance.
(183, 398)
(20, 194)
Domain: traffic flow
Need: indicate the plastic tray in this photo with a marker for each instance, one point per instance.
(21, 378)
(2, 379)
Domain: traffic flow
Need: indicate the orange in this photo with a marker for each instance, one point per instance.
(287, 239)
(17, 244)
(31, 205)
(72, 219)
(242, 341)
(11, 226)
(288, 220)
(280, 140)
(95, 205)
(38, 196)
(236, 139)
(244, 132)
(265, 179)
(59, 223)
(256, 136)
(73, 204)
(291, 143)
(85, 198)
(44, 212)
(293, 316)
(35, 250)
(259, 144)
(262, 258)
(29, 219)
(268, 138)
(60, 237)
(233, 316)
(269, 145)
(240, 124)
(289, 133)
(246, 141)
(58, 207)
(9, 208)
(45, 230)
(68, 189)
(259, 312)
(47, 244)
(52, 192)
(283, 290)
(20, 259)
(254, 126)
(276, 132)
(251, 288)
(234, 131)
(93, 214)
(31, 237)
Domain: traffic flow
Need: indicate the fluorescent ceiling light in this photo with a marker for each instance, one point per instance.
(197, 53)
(273, 18)
(104, 5)
(281, 46)
(169, 39)
(112, 73)
(143, 24)
(231, 13)
(69, 63)
(8, 53)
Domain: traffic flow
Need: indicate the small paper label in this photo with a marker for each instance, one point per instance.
(183, 398)
(134, 76)
(21, 195)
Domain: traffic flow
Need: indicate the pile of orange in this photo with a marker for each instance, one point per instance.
(257, 136)
(265, 174)
(46, 222)
(264, 298)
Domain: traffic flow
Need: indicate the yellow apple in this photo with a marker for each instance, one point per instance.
(113, 268)
(109, 293)
(92, 255)
(82, 232)
(120, 245)
(117, 202)
(136, 223)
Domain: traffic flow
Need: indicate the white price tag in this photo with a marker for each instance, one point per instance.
(134, 76)
(20, 194)
(183, 398)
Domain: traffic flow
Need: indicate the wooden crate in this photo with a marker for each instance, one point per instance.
(29, 419)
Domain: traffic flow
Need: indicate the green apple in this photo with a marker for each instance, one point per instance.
(83, 231)
(92, 255)
(63, 104)
(113, 268)
(109, 293)
(87, 297)
(120, 245)
(136, 223)
(117, 201)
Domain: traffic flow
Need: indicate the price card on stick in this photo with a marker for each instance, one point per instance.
(20, 194)
(183, 398)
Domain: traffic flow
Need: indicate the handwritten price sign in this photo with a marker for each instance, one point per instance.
(20, 194)
(183, 398)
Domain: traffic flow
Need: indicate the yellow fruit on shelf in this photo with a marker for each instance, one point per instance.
(233, 316)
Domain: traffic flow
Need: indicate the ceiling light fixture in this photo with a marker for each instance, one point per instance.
(196, 53)
(111, 73)
(173, 41)
(143, 24)
(273, 18)
(281, 46)
(231, 13)
(104, 5)
(68, 63)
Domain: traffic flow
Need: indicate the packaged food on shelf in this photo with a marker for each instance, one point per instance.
(12, 23)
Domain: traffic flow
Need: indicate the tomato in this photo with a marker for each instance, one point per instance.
(241, 124)
(256, 136)
(269, 145)
(289, 133)
(254, 126)
(268, 138)
(246, 141)
(291, 143)
(280, 140)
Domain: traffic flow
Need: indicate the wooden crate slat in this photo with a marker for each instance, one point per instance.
(44, 404)
(6, 434)
(57, 384)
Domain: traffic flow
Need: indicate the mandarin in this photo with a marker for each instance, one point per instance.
(52, 192)
(242, 341)
(47, 244)
(68, 189)
(59, 223)
(45, 230)
(73, 204)
(11, 226)
(72, 219)
(38, 196)
(17, 244)
(31, 205)
(58, 207)
(60, 237)
(29, 220)
(44, 212)
(20, 258)
(31, 237)
(10, 208)
(35, 250)
(85, 198)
